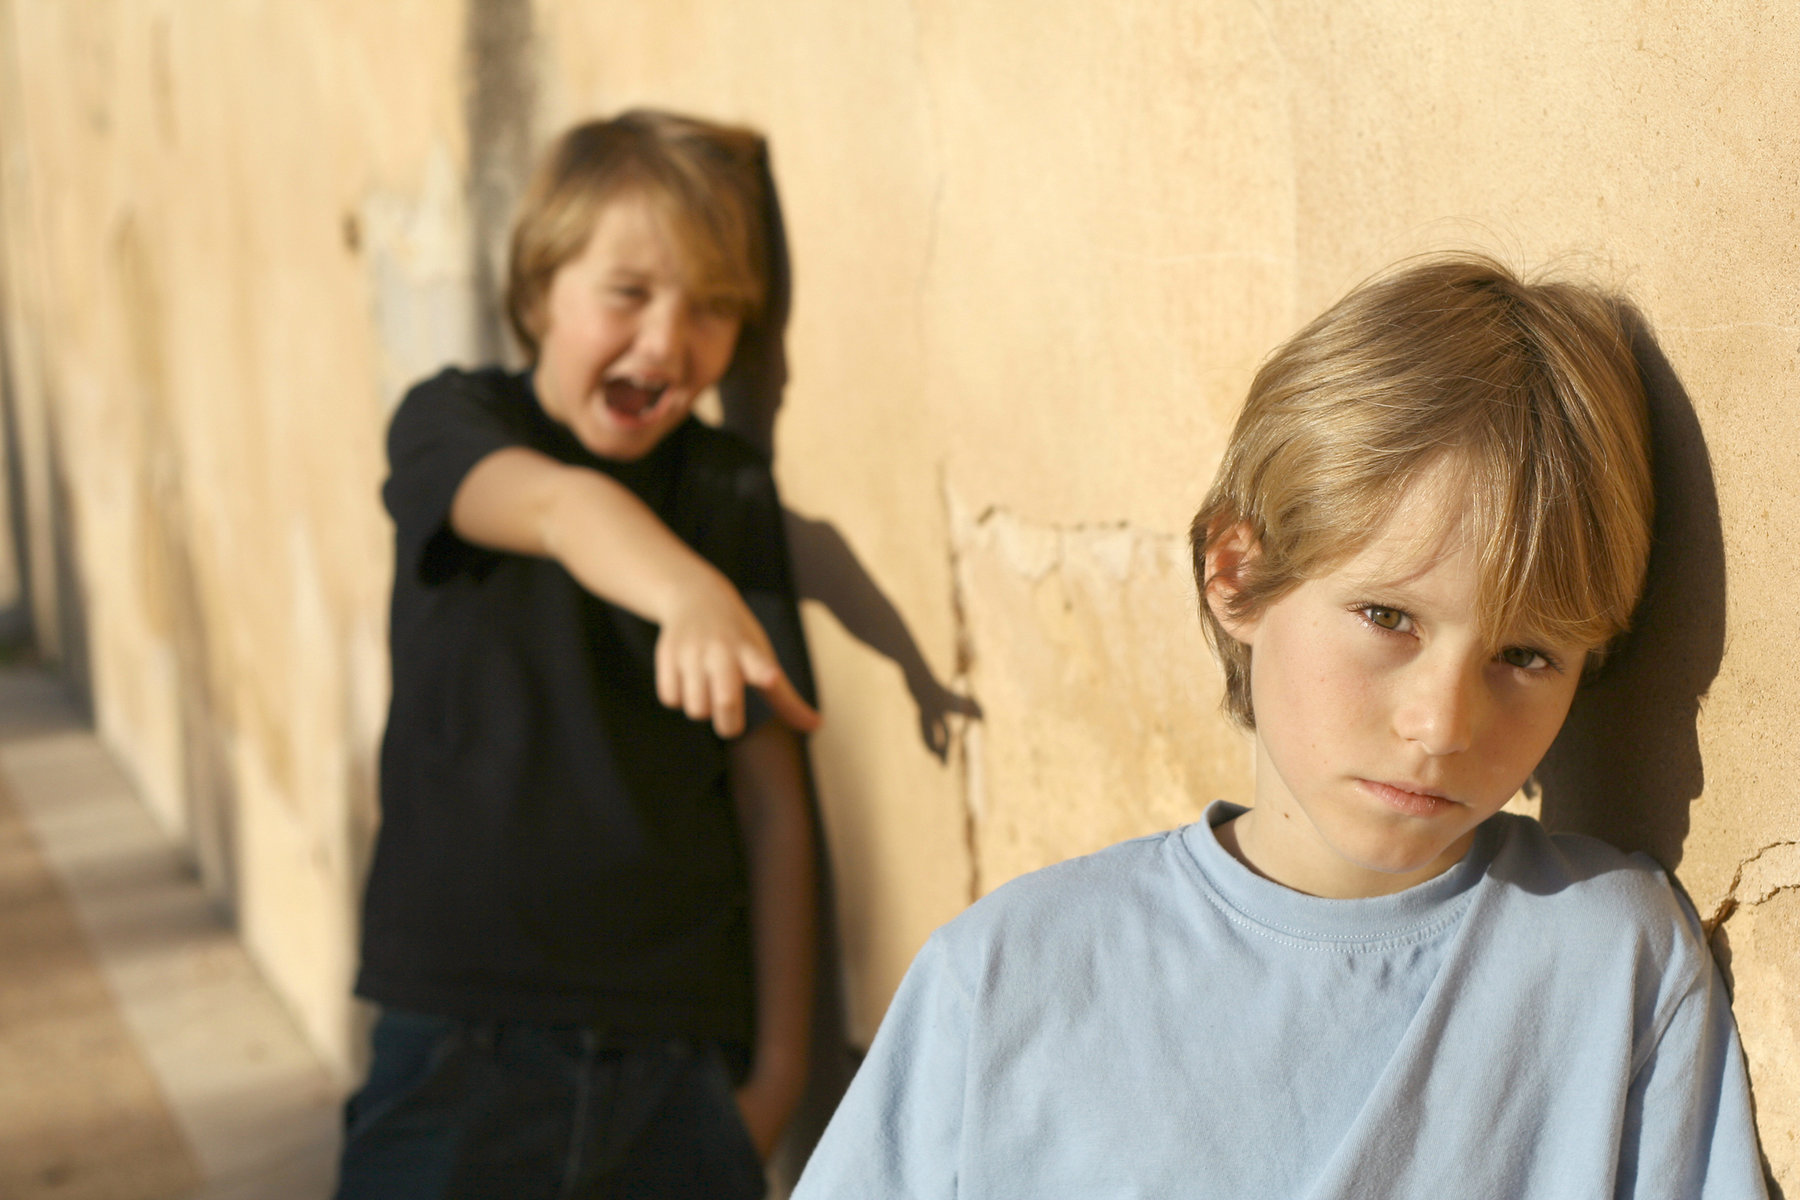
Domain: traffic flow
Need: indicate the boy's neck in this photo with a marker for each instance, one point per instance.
(1271, 854)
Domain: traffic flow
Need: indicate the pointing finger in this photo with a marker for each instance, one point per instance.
(764, 672)
(789, 705)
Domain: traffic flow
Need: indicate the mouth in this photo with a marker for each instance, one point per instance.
(633, 398)
(1409, 798)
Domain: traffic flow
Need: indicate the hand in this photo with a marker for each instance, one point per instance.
(936, 704)
(709, 649)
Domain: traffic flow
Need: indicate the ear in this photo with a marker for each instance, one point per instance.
(1226, 559)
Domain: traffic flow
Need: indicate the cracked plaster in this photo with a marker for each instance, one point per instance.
(1759, 944)
(1101, 701)
(1774, 868)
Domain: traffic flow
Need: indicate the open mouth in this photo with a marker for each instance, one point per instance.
(632, 397)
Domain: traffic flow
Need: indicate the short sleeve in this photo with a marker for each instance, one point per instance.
(1689, 1130)
(440, 431)
(898, 1132)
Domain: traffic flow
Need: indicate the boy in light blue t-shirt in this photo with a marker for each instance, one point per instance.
(1433, 514)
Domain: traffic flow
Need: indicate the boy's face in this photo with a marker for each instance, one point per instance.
(628, 343)
(1386, 731)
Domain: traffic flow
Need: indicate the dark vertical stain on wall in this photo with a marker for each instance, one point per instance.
(501, 66)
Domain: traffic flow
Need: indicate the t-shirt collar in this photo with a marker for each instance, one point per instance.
(1377, 919)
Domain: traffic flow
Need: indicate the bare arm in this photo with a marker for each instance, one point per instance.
(523, 502)
(768, 783)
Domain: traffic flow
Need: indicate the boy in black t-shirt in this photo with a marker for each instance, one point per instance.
(590, 908)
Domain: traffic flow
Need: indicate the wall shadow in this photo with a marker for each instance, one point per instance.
(1627, 763)
(827, 569)
(830, 573)
(751, 391)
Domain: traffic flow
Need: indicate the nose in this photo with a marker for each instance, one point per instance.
(663, 333)
(1439, 706)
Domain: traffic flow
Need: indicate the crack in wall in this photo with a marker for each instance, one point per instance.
(1773, 869)
(965, 739)
(999, 512)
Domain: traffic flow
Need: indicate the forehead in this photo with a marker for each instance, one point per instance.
(639, 231)
(1428, 534)
(627, 233)
(1419, 553)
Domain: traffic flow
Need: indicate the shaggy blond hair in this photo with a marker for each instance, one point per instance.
(705, 186)
(1530, 388)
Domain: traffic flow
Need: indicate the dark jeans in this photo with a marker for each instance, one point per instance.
(516, 1111)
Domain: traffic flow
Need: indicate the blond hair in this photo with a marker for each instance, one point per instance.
(1529, 387)
(704, 182)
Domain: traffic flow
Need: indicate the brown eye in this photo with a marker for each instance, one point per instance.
(1524, 658)
(1385, 618)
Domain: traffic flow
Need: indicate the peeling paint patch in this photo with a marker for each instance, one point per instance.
(1102, 705)
(1116, 550)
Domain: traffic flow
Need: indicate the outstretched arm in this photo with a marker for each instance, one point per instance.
(710, 647)
(768, 783)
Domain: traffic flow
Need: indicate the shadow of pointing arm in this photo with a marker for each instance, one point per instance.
(827, 570)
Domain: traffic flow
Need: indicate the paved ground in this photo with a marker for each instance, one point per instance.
(141, 1055)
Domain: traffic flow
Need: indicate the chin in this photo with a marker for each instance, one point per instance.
(622, 445)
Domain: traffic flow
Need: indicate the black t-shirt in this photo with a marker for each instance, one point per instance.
(555, 844)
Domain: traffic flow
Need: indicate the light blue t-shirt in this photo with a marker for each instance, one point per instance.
(1155, 1020)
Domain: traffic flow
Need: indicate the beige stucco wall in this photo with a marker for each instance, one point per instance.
(1039, 249)
(203, 207)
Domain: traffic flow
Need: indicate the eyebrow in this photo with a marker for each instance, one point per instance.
(1400, 587)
